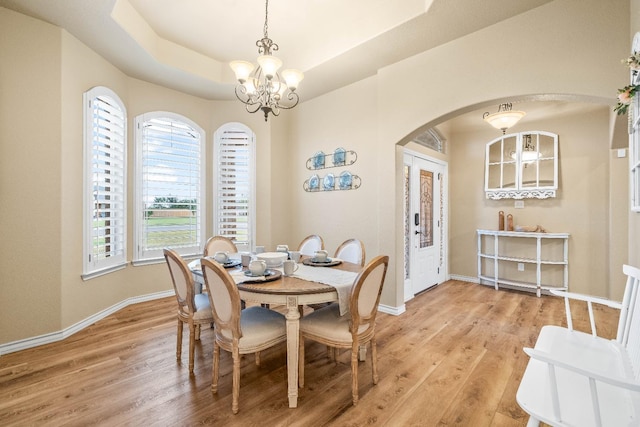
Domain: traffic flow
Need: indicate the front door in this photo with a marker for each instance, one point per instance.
(426, 224)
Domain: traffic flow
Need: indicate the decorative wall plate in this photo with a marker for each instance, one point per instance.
(339, 156)
(314, 183)
(318, 160)
(329, 182)
(345, 181)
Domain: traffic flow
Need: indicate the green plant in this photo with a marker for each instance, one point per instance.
(625, 96)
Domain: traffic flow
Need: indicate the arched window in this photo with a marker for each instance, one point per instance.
(169, 200)
(105, 186)
(234, 184)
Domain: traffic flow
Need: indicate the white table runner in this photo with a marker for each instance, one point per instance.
(341, 280)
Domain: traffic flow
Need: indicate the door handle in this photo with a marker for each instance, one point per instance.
(416, 219)
(418, 232)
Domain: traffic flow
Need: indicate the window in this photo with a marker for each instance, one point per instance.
(234, 184)
(105, 165)
(432, 139)
(169, 208)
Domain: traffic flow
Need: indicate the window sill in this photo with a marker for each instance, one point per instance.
(98, 273)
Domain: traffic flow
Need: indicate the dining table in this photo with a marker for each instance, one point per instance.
(310, 284)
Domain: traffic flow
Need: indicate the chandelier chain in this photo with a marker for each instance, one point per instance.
(266, 20)
(265, 44)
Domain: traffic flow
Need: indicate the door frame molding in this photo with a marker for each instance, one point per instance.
(407, 291)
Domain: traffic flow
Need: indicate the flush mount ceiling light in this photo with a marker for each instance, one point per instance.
(504, 118)
(265, 88)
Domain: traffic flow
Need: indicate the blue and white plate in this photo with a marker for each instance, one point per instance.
(339, 156)
(329, 182)
(345, 181)
(318, 160)
(314, 182)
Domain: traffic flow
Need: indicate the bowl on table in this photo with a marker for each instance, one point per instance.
(273, 259)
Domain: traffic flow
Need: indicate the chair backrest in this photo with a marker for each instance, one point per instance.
(224, 299)
(310, 245)
(182, 280)
(365, 296)
(219, 243)
(629, 323)
(351, 250)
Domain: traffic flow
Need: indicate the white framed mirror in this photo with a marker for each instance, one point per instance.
(522, 165)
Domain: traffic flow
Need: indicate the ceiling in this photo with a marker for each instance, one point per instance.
(187, 44)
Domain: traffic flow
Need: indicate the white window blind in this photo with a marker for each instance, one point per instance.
(105, 227)
(234, 201)
(170, 186)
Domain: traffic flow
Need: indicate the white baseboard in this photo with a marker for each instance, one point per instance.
(396, 311)
(473, 279)
(67, 332)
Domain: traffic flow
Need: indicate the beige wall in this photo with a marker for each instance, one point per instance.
(568, 47)
(30, 170)
(581, 208)
(345, 118)
(42, 150)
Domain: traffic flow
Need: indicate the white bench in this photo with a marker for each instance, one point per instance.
(578, 379)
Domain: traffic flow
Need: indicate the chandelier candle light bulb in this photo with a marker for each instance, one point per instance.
(270, 65)
(242, 69)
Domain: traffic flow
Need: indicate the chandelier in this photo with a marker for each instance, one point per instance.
(504, 118)
(265, 88)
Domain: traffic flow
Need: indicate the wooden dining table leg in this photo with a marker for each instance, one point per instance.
(293, 340)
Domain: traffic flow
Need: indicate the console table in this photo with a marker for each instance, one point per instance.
(531, 261)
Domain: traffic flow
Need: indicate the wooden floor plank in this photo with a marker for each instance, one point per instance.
(454, 358)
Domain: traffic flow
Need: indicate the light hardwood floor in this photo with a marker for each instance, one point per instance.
(454, 358)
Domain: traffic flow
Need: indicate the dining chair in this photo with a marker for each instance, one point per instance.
(352, 330)
(193, 308)
(310, 245)
(219, 243)
(237, 331)
(351, 250)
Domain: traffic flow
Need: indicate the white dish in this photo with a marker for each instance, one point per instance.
(273, 259)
